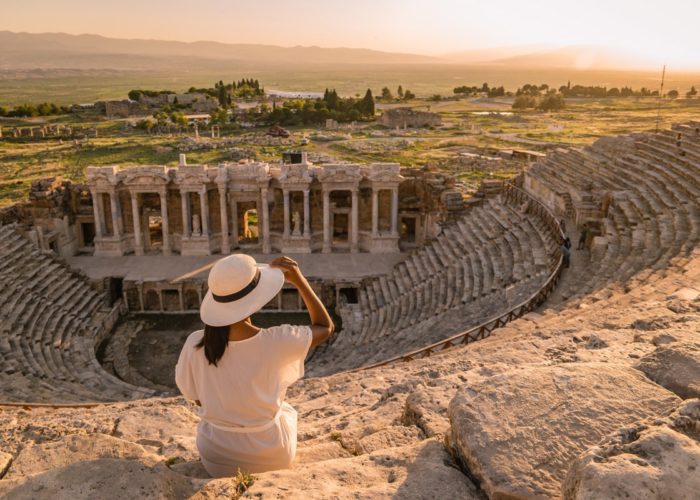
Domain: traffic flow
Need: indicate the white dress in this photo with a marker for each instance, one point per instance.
(245, 423)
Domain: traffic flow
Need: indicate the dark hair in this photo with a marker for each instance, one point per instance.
(214, 342)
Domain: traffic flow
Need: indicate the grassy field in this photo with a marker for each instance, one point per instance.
(67, 86)
(470, 125)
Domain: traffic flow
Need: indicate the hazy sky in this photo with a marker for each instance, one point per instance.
(662, 31)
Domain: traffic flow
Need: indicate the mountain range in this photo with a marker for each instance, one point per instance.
(60, 50)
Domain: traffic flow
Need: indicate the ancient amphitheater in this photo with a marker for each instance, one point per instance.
(471, 363)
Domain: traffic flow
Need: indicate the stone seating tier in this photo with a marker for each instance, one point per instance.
(456, 281)
(50, 317)
(654, 216)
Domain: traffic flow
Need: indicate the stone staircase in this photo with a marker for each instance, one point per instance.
(49, 320)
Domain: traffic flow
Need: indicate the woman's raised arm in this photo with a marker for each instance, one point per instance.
(321, 323)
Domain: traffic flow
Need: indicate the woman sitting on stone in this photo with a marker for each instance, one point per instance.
(239, 373)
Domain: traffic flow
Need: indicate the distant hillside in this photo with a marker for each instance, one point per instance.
(59, 50)
(480, 56)
(575, 57)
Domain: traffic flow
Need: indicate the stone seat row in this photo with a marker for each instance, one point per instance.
(485, 264)
(49, 319)
(654, 216)
(478, 266)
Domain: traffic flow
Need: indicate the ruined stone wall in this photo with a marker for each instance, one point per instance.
(405, 117)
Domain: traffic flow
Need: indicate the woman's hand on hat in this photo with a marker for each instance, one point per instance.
(290, 268)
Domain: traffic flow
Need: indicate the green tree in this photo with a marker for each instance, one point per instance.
(408, 95)
(331, 99)
(524, 101)
(386, 94)
(497, 91)
(551, 102)
(24, 110)
(691, 93)
(399, 92)
(161, 118)
(219, 116)
(366, 105)
(178, 119)
(146, 124)
(673, 94)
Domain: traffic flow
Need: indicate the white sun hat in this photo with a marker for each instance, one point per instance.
(238, 287)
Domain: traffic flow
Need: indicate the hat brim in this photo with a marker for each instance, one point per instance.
(215, 313)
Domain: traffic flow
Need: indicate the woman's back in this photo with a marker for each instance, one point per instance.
(240, 384)
(246, 387)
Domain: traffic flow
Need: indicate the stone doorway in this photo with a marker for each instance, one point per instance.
(154, 240)
(171, 300)
(151, 301)
(87, 234)
(116, 287)
(407, 230)
(341, 228)
(191, 300)
(152, 223)
(248, 233)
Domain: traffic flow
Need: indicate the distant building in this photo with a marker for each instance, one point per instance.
(198, 118)
(294, 94)
(186, 99)
(204, 106)
(154, 101)
(406, 117)
(123, 108)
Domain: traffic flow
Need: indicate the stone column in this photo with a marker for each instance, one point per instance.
(285, 193)
(395, 211)
(204, 206)
(164, 216)
(307, 211)
(354, 222)
(103, 215)
(234, 222)
(139, 287)
(116, 214)
(375, 212)
(96, 208)
(138, 236)
(326, 221)
(225, 245)
(265, 221)
(186, 218)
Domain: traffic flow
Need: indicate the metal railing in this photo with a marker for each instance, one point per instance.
(483, 330)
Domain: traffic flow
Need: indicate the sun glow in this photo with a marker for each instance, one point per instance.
(648, 36)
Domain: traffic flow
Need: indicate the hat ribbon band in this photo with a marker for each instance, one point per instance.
(240, 293)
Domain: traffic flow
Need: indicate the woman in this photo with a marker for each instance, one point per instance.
(238, 373)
